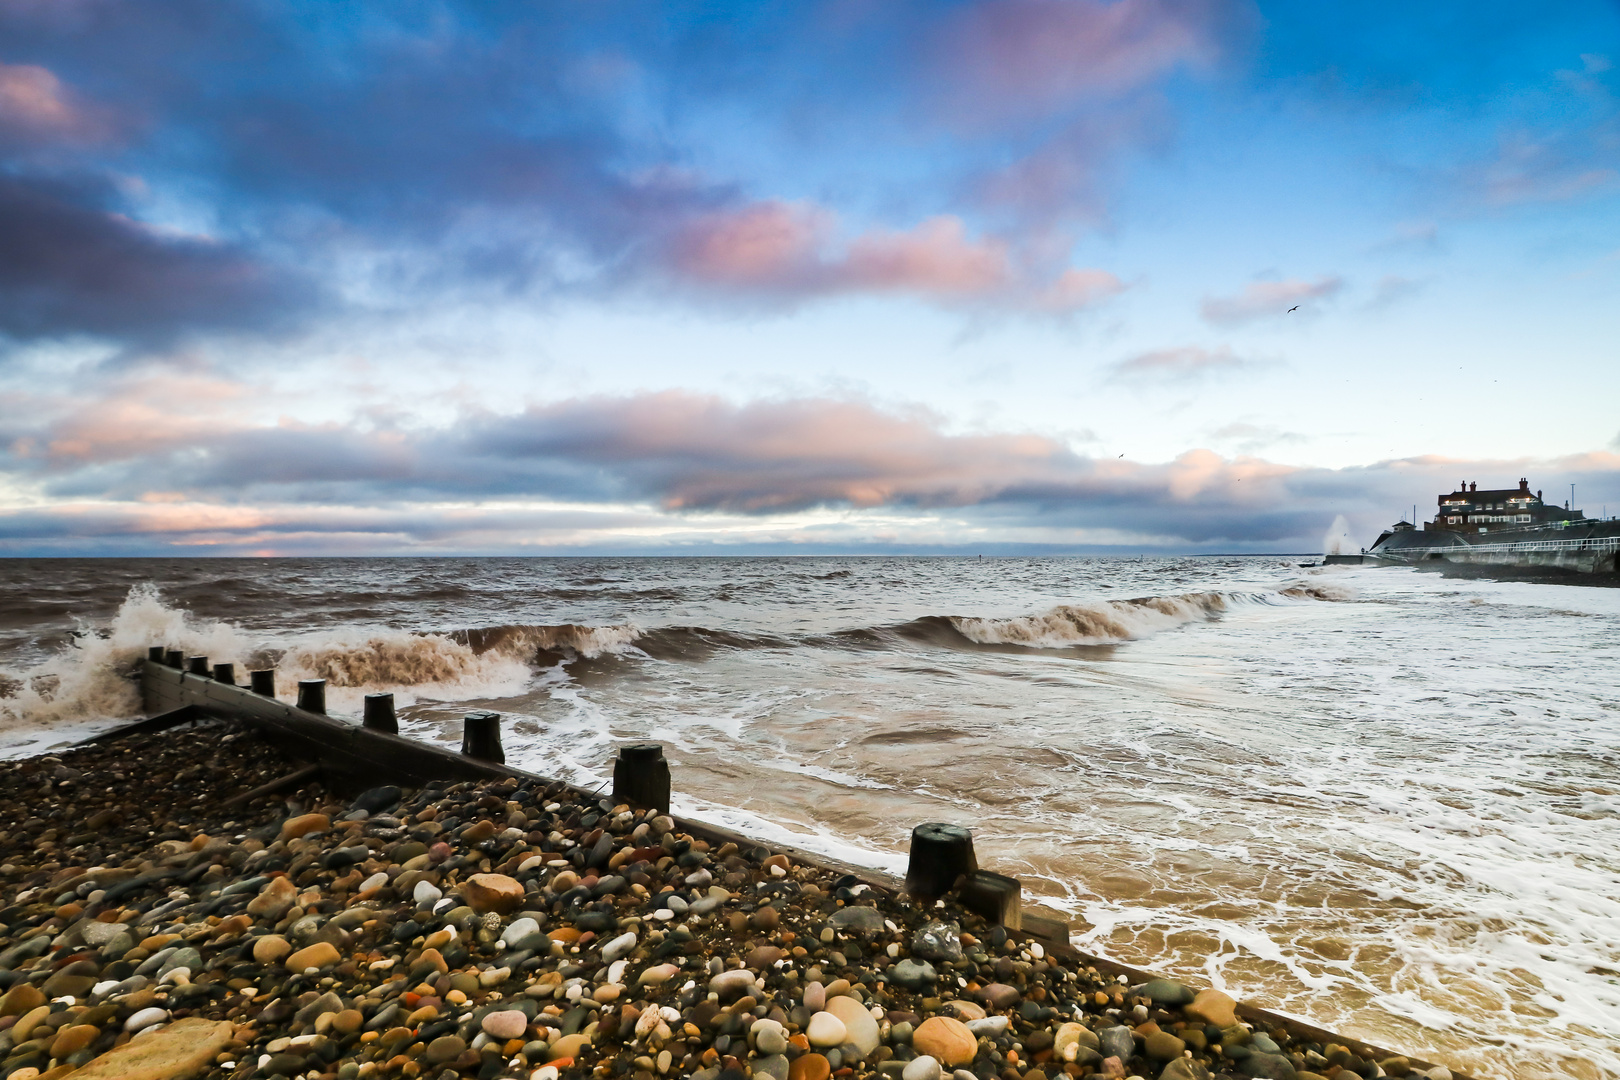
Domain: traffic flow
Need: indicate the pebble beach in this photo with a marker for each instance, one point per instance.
(153, 925)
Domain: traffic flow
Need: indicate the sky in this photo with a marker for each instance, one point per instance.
(616, 277)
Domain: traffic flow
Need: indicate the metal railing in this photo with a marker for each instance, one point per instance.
(1593, 543)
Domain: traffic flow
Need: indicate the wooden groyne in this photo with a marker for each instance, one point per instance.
(351, 755)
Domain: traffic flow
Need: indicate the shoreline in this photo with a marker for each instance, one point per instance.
(417, 955)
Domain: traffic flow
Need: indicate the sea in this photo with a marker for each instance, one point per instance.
(1380, 799)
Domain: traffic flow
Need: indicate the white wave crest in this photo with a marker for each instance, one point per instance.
(1106, 621)
(89, 680)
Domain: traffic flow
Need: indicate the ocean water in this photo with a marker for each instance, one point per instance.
(1379, 799)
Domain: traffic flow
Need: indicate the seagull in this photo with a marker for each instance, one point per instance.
(1291, 310)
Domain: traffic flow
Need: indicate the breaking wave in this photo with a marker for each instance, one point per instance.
(1107, 622)
(89, 679)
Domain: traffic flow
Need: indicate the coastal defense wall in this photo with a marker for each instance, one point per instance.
(1578, 560)
(360, 756)
(1581, 555)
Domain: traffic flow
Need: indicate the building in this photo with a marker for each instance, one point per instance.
(1470, 510)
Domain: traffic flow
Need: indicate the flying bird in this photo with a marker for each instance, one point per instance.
(1291, 310)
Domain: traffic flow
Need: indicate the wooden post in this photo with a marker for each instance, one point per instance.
(197, 665)
(225, 673)
(312, 695)
(481, 737)
(641, 777)
(997, 897)
(154, 653)
(174, 658)
(941, 855)
(379, 714)
(263, 682)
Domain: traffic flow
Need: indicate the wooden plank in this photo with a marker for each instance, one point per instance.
(281, 783)
(185, 714)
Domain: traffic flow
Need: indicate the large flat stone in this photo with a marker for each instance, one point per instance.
(183, 1049)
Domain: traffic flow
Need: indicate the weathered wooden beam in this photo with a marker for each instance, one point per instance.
(481, 737)
(641, 777)
(941, 855)
(996, 897)
(346, 749)
(312, 695)
(281, 783)
(379, 714)
(185, 714)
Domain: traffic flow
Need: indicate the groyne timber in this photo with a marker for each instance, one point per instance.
(317, 897)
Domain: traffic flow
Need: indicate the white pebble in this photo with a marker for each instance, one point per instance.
(146, 1018)
(375, 881)
(922, 1068)
(426, 893)
(619, 946)
(825, 1029)
(520, 929)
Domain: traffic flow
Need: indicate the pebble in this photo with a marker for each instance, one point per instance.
(560, 937)
(825, 1030)
(809, 1067)
(506, 1024)
(492, 892)
(619, 946)
(319, 955)
(145, 1018)
(769, 1037)
(946, 1039)
(860, 1029)
(922, 1068)
(1211, 1006)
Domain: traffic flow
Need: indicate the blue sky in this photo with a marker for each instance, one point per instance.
(457, 277)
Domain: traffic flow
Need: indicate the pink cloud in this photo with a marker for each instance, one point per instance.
(1180, 365)
(1023, 59)
(791, 250)
(35, 105)
(1262, 299)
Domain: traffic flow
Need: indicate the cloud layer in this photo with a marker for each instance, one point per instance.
(649, 471)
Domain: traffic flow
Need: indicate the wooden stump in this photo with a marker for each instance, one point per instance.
(312, 695)
(941, 855)
(225, 673)
(174, 658)
(641, 777)
(263, 682)
(379, 714)
(481, 737)
(197, 665)
(154, 653)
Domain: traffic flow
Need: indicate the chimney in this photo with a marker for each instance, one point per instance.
(1538, 494)
(1524, 485)
(1473, 487)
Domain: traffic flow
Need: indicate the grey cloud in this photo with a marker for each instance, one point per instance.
(73, 265)
(695, 464)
